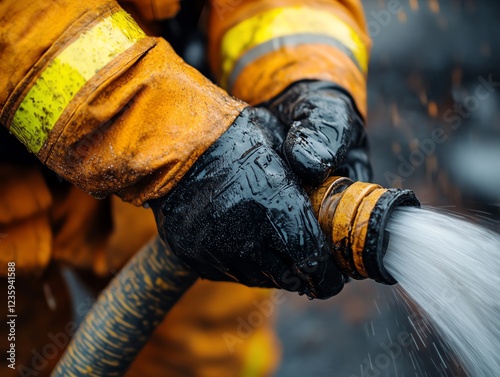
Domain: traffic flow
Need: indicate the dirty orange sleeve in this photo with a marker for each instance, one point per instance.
(103, 105)
(258, 48)
(154, 10)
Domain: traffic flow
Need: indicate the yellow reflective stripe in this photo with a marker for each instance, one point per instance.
(67, 73)
(287, 21)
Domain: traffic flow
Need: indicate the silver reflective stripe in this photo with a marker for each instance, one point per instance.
(279, 42)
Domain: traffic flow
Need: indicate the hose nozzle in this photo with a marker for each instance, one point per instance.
(354, 216)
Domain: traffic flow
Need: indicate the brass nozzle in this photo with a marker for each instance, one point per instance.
(354, 216)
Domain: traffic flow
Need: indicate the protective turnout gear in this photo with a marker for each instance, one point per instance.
(326, 133)
(103, 105)
(115, 111)
(240, 181)
(259, 48)
(88, 97)
(138, 146)
(307, 62)
(24, 222)
(144, 99)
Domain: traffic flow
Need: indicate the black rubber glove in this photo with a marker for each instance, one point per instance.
(239, 215)
(325, 135)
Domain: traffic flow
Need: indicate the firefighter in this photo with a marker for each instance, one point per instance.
(102, 111)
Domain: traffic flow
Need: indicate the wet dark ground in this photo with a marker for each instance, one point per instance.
(434, 127)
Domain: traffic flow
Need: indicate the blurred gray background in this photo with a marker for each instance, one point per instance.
(430, 62)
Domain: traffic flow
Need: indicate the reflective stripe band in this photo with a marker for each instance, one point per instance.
(67, 73)
(283, 27)
(276, 43)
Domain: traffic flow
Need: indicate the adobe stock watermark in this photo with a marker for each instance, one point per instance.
(50, 351)
(406, 340)
(377, 19)
(382, 361)
(264, 309)
(57, 342)
(246, 326)
(76, 155)
(454, 117)
(222, 7)
(382, 18)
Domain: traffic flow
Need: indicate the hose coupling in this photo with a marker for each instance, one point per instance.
(354, 216)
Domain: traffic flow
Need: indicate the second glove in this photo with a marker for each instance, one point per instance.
(325, 132)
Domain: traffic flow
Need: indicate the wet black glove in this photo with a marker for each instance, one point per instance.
(325, 135)
(240, 215)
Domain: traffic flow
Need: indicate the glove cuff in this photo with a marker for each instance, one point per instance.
(302, 88)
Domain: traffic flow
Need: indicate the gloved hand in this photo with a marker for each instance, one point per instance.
(325, 132)
(239, 215)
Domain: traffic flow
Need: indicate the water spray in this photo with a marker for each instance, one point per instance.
(354, 216)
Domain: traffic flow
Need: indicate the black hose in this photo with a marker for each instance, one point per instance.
(126, 314)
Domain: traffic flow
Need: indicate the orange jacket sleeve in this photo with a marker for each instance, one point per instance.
(103, 105)
(154, 10)
(259, 47)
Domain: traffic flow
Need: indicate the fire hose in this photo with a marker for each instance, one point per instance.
(354, 216)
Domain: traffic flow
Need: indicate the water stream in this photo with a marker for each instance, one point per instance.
(450, 267)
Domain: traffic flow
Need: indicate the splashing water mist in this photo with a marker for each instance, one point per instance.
(451, 269)
(445, 264)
